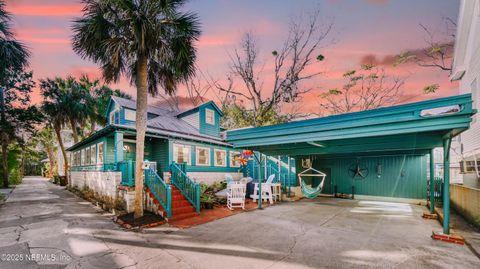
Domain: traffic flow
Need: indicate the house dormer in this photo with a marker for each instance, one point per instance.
(123, 111)
(205, 117)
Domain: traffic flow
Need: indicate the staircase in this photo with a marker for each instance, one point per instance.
(181, 207)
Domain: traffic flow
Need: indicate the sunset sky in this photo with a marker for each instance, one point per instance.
(363, 29)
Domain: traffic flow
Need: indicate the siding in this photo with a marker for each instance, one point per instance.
(160, 154)
(193, 119)
(402, 176)
(110, 150)
(209, 129)
(467, 54)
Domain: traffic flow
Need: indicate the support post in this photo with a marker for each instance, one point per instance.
(432, 181)
(289, 174)
(118, 146)
(446, 185)
(260, 181)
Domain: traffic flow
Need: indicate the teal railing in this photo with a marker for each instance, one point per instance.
(161, 190)
(189, 188)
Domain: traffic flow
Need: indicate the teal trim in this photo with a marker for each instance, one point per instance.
(432, 183)
(446, 185)
(207, 128)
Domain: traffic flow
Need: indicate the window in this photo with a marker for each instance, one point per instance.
(181, 153)
(77, 160)
(468, 167)
(87, 155)
(210, 116)
(220, 157)
(235, 159)
(203, 156)
(100, 153)
(130, 115)
(93, 159)
(83, 157)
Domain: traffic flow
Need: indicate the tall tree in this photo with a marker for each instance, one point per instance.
(294, 63)
(55, 102)
(365, 88)
(150, 42)
(14, 58)
(46, 138)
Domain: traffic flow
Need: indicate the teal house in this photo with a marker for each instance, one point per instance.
(385, 153)
(188, 145)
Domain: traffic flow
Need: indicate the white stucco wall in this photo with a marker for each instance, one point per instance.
(104, 183)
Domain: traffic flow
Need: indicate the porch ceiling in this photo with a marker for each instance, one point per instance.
(398, 128)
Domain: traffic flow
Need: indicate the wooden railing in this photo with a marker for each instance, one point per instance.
(189, 188)
(161, 190)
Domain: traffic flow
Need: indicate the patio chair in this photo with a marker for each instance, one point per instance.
(236, 195)
(267, 193)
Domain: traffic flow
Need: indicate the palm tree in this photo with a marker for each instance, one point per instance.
(77, 103)
(14, 57)
(46, 138)
(55, 102)
(150, 42)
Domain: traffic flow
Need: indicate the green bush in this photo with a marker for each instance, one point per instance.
(15, 177)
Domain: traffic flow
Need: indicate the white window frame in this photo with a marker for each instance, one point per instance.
(231, 154)
(207, 111)
(133, 112)
(182, 146)
(82, 157)
(93, 154)
(215, 157)
(100, 160)
(197, 149)
(112, 116)
(88, 155)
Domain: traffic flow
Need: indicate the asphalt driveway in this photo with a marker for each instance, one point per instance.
(51, 228)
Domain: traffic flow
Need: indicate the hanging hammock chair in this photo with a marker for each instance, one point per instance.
(309, 191)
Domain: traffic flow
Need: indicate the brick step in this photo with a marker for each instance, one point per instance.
(182, 216)
(182, 210)
(180, 203)
(178, 197)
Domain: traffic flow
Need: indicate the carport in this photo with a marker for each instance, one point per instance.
(394, 143)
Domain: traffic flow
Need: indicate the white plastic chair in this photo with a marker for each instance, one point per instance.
(236, 195)
(267, 193)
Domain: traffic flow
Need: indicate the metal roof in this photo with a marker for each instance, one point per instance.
(403, 127)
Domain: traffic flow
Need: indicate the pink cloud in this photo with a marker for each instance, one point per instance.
(43, 10)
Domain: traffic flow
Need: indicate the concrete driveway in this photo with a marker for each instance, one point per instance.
(41, 218)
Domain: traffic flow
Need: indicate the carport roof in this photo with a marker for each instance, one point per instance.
(414, 126)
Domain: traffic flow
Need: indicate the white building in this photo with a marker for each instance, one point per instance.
(67, 138)
(466, 69)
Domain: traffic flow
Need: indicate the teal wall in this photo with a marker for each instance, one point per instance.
(209, 129)
(402, 176)
(159, 154)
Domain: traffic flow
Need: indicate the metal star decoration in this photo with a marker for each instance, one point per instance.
(359, 171)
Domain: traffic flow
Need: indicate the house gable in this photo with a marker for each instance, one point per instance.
(205, 117)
